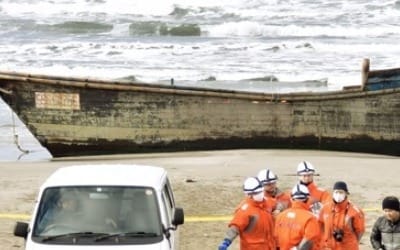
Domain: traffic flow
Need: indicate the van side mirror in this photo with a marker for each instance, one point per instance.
(178, 217)
(21, 229)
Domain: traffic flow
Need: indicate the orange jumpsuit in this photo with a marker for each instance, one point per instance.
(271, 204)
(344, 216)
(295, 225)
(282, 199)
(318, 194)
(255, 225)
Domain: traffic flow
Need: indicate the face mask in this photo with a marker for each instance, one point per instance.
(258, 197)
(338, 197)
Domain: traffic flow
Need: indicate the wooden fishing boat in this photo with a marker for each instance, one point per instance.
(75, 116)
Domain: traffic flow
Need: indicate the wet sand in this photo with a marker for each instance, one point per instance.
(215, 186)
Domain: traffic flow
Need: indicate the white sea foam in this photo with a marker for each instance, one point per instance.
(42, 9)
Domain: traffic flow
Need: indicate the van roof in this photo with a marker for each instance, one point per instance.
(108, 175)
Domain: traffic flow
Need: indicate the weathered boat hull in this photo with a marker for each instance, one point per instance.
(89, 117)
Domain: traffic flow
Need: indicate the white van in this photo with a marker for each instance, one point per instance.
(104, 207)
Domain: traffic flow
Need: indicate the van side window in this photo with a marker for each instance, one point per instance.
(170, 196)
(166, 208)
(168, 200)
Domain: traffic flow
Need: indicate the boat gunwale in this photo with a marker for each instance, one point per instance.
(195, 91)
(384, 72)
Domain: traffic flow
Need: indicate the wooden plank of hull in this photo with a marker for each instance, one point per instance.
(86, 117)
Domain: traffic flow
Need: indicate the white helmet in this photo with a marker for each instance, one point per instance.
(266, 176)
(252, 185)
(300, 192)
(305, 167)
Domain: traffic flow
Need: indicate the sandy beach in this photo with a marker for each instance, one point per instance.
(215, 184)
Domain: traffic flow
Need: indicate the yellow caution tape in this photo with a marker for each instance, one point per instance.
(207, 218)
(14, 216)
(189, 218)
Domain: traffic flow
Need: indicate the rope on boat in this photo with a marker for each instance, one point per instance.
(16, 136)
(7, 92)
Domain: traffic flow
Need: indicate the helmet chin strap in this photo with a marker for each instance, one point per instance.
(301, 182)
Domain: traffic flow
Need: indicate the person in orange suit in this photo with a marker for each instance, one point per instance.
(343, 222)
(272, 192)
(251, 221)
(296, 227)
(318, 195)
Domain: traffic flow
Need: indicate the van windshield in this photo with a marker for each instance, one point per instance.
(97, 210)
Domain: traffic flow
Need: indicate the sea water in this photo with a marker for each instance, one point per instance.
(193, 41)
